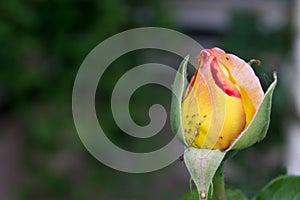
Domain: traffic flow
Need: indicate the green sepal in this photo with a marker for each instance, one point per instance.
(178, 89)
(202, 165)
(257, 129)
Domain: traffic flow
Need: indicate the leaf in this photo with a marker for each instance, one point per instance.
(281, 188)
(191, 196)
(234, 194)
(177, 94)
(231, 194)
(257, 129)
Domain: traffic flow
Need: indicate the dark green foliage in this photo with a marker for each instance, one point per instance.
(284, 187)
(42, 45)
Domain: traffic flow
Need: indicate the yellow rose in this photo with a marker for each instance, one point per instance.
(221, 100)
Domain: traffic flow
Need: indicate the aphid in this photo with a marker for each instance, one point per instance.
(196, 133)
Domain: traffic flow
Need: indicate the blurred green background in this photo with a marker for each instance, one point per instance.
(42, 45)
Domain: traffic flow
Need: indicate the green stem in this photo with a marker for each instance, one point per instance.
(218, 184)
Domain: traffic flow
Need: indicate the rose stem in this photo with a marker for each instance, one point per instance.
(218, 184)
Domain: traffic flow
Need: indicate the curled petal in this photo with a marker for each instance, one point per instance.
(222, 80)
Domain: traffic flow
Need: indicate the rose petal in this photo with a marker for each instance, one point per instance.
(244, 77)
(211, 118)
(222, 80)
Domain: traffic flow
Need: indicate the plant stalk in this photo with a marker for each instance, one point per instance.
(218, 184)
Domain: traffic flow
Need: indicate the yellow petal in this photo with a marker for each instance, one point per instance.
(212, 119)
(242, 75)
(196, 111)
